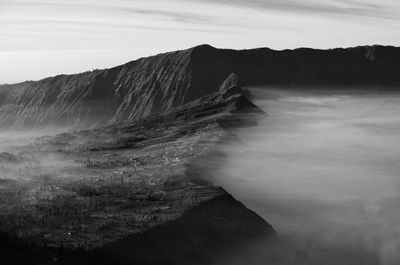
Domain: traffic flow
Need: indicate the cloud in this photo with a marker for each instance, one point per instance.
(104, 16)
(178, 16)
(82, 24)
(175, 15)
(363, 8)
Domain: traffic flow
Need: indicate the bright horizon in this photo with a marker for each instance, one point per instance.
(42, 38)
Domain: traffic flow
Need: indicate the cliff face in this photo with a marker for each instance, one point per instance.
(367, 65)
(166, 81)
(126, 92)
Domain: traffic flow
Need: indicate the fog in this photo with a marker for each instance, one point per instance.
(323, 168)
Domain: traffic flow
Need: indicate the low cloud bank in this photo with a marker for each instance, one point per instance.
(323, 169)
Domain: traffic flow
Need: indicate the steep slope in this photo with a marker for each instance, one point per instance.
(166, 81)
(126, 92)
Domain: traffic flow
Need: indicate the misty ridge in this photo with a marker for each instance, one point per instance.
(280, 157)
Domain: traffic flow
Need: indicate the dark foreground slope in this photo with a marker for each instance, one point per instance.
(202, 235)
(166, 81)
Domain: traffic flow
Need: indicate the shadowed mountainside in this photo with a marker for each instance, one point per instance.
(163, 82)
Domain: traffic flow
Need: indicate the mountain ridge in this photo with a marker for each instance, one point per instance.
(166, 81)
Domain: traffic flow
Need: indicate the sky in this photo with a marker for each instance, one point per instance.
(40, 38)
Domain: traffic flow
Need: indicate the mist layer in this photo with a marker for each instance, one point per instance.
(323, 168)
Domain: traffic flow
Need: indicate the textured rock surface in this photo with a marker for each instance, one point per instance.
(163, 82)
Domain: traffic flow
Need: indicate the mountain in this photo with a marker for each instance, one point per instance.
(164, 82)
(133, 189)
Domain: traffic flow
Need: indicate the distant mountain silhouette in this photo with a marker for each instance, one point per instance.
(164, 82)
